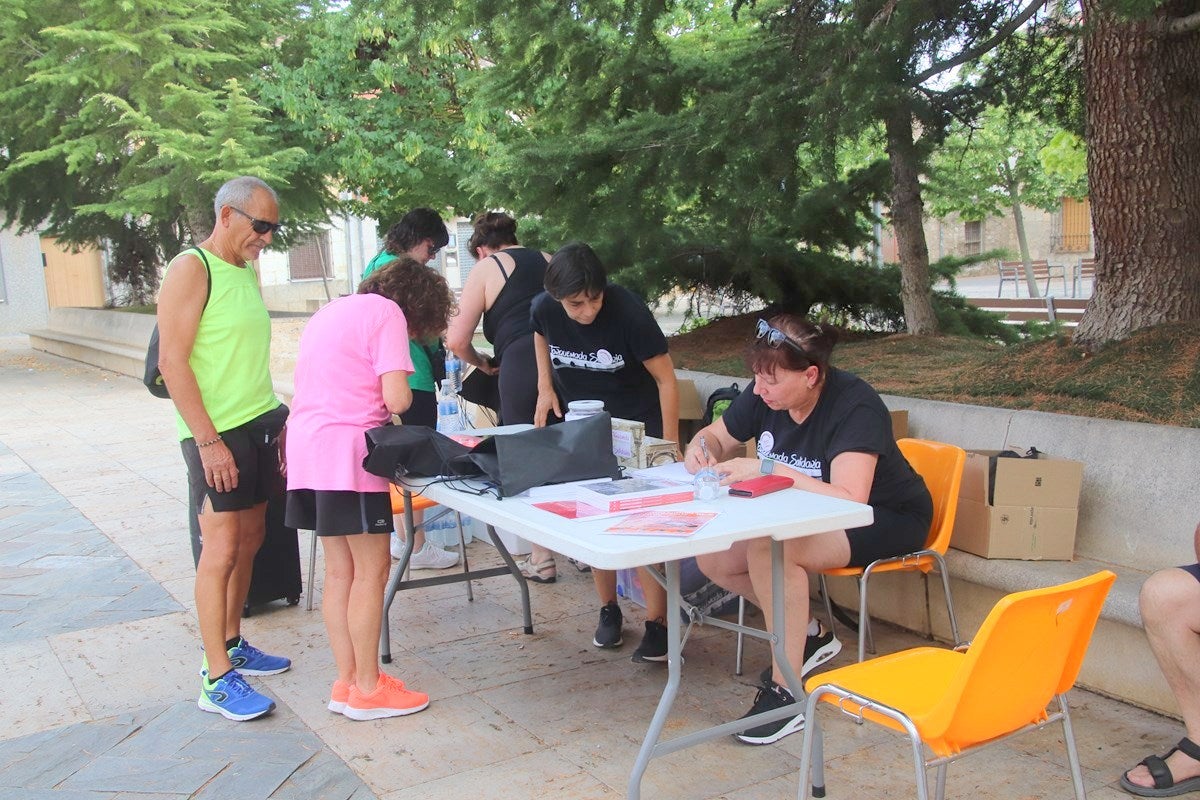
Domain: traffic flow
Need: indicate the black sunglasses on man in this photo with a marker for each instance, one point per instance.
(260, 226)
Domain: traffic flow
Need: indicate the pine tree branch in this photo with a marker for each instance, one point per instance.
(977, 51)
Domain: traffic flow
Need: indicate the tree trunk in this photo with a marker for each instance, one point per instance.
(908, 211)
(1143, 109)
(1014, 195)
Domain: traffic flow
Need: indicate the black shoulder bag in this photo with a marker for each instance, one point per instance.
(151, 376)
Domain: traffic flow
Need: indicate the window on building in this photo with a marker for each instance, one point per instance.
(1076, 225)
(310, 260)
(972, 237)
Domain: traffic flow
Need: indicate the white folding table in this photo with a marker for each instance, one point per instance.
(782, 515)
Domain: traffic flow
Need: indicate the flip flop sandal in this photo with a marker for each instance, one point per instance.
(1164, 784)
(541, 572)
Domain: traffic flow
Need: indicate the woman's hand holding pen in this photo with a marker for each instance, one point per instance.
(697, 456)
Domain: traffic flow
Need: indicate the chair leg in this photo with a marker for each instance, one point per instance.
(462, 554)
(941, 562)
(864, 618)
(1072, 751)
(939, 789)
(741, 637)
(919, 760)
(312, 568)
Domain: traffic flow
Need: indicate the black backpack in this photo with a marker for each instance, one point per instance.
(718, 401)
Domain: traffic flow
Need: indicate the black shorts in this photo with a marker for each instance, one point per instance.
(336, 513)
(1193, 570)
(894, 532)
(423, 410)
(255, 449)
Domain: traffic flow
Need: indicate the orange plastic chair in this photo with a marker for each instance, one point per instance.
(941, 465)
(1027, 652)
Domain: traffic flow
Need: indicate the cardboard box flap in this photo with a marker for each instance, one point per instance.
(1045, 481)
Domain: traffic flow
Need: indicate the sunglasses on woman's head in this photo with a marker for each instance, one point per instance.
(777, 338)
(259, 226)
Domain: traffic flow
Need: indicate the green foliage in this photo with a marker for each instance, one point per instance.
(982, 170)
(121, 119)
(956, 317)
(381, 101)
(1064, 158)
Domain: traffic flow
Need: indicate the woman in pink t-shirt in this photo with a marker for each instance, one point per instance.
(352, 375)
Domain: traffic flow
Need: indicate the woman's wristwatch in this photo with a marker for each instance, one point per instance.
(766, 466)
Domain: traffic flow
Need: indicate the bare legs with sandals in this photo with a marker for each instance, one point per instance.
(1170, 606)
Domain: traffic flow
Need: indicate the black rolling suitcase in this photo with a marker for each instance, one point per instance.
(277, 564)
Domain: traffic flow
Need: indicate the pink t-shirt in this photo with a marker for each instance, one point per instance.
(344, 350)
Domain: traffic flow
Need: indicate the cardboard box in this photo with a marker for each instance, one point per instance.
(1028, 512)
(627, 442)
(899, 423)
(635, 450)
(690, 406)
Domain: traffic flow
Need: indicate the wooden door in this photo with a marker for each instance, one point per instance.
(72, 279)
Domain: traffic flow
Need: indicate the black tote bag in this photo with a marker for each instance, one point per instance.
(570, 451)
(394, 451)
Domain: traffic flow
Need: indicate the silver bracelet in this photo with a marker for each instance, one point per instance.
(209, 443)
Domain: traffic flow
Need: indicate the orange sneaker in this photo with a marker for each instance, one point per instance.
(338, 696)
(390, 699)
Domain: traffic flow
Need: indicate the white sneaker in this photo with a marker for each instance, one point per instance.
(397, 545)
(430, 557)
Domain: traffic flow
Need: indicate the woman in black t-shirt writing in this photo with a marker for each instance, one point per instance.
(830, 432)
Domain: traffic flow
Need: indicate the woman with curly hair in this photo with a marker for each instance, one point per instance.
(352, 374)
(417, 238)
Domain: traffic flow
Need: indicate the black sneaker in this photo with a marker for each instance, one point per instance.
(817, 650)
(654, 643)
(768, 698)
(608, 633)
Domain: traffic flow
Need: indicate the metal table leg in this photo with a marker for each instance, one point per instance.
(397, 583)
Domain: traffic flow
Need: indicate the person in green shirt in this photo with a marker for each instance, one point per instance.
(419, 235)
(214, 356)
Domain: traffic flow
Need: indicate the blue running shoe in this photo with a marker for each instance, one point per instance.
(233, 698)
(249, 660)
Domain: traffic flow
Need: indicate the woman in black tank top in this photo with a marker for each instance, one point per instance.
(499, 290)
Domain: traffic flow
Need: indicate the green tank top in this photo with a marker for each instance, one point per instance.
(421, 379)
(231, 356)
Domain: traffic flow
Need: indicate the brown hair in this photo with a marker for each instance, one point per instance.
(422, 294)
(813, 340)
(493, 229)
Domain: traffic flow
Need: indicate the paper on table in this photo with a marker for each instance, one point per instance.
(662, 523)
(672, 471)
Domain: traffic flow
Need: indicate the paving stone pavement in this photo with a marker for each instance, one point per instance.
(99, 636)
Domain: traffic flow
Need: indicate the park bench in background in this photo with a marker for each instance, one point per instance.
(1086, 268)
(1014, 271)
(1041, 309)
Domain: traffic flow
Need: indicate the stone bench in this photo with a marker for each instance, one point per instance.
(1014, 311)
(113, 340)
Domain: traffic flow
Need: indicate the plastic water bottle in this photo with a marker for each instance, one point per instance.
(454, 371)
(449, 410)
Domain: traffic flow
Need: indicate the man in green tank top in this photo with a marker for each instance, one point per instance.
(214, 355)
